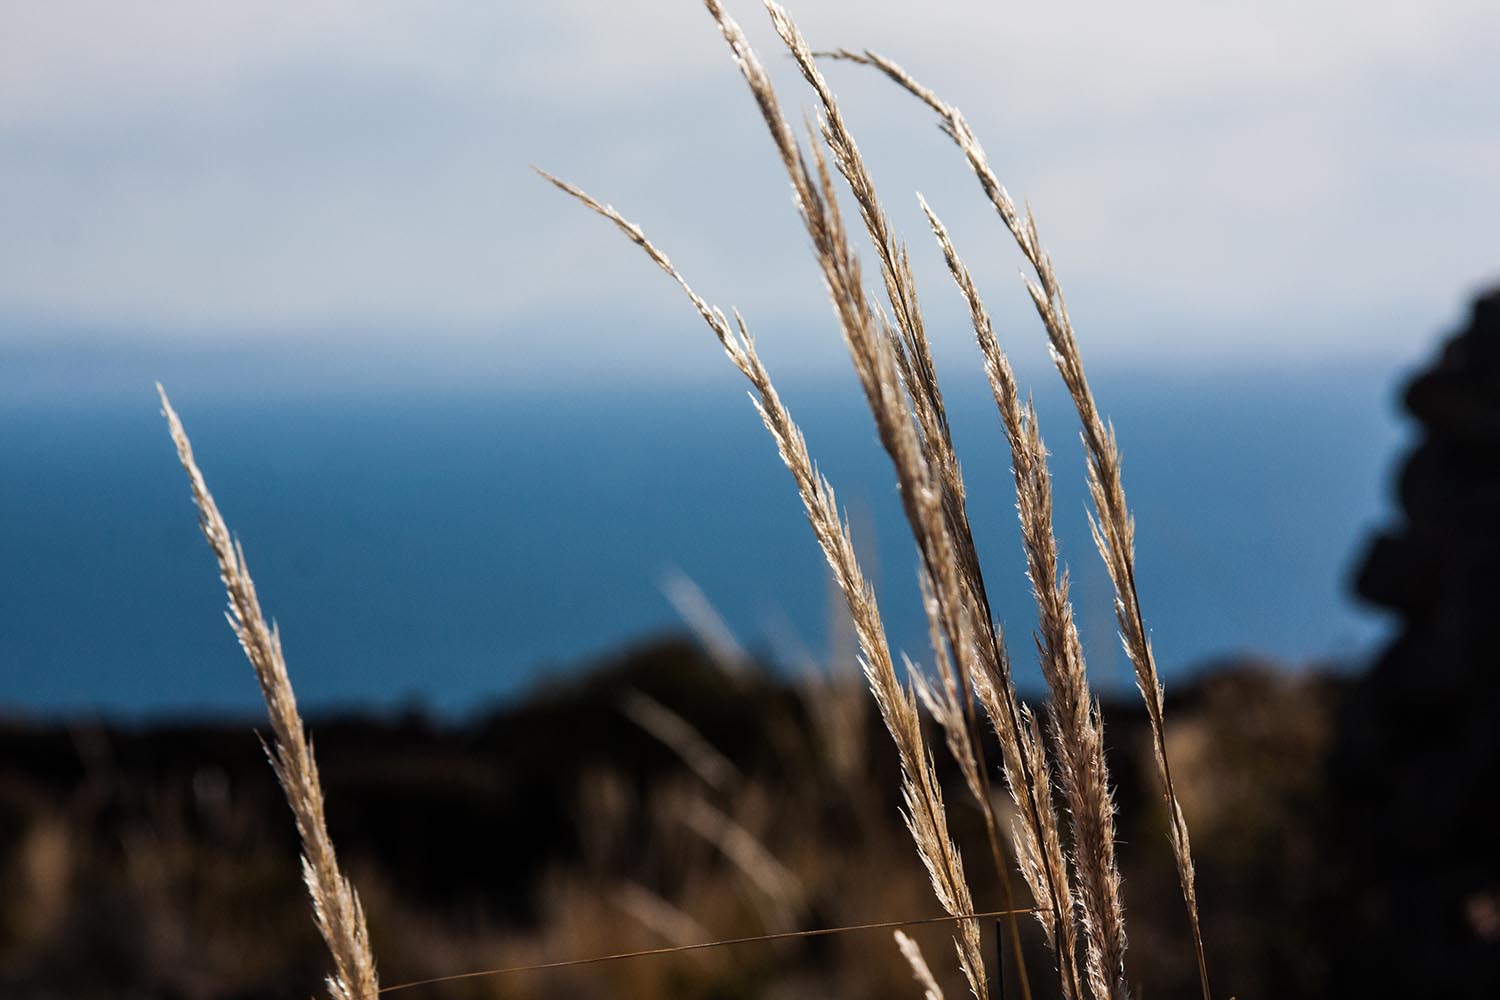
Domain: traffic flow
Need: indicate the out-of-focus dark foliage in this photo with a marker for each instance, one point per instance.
(161, 862)
(1417, 772)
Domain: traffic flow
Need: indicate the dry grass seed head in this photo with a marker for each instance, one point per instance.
(1113, 528)
(336, 907)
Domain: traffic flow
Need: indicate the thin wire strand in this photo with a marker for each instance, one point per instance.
(725, 943)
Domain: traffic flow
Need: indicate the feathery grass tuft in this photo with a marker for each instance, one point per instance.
(1077, 887)
(336, 906)
(919, 970)
(1112, 524)
(926, 815)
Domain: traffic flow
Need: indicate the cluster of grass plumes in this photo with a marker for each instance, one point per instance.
(1069, 866)
(1063, 831)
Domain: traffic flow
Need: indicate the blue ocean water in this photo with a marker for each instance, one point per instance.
(451, 548)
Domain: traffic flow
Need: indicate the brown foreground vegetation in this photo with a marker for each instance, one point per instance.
(156, 861)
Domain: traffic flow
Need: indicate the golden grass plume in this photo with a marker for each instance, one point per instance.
(1078, 890)
(336, 907)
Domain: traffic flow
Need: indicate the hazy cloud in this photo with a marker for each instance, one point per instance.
(1218, 179)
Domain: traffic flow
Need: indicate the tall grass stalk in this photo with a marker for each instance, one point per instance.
(1075, 724)
(926, 814)
(919, 969)
(336, 908)
(1077, 890)
(1112, 525)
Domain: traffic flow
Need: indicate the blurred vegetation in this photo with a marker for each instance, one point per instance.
(160, 861)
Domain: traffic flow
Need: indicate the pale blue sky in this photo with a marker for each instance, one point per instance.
(1217, 181)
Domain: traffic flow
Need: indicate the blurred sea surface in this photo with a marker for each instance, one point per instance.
(451, 548)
